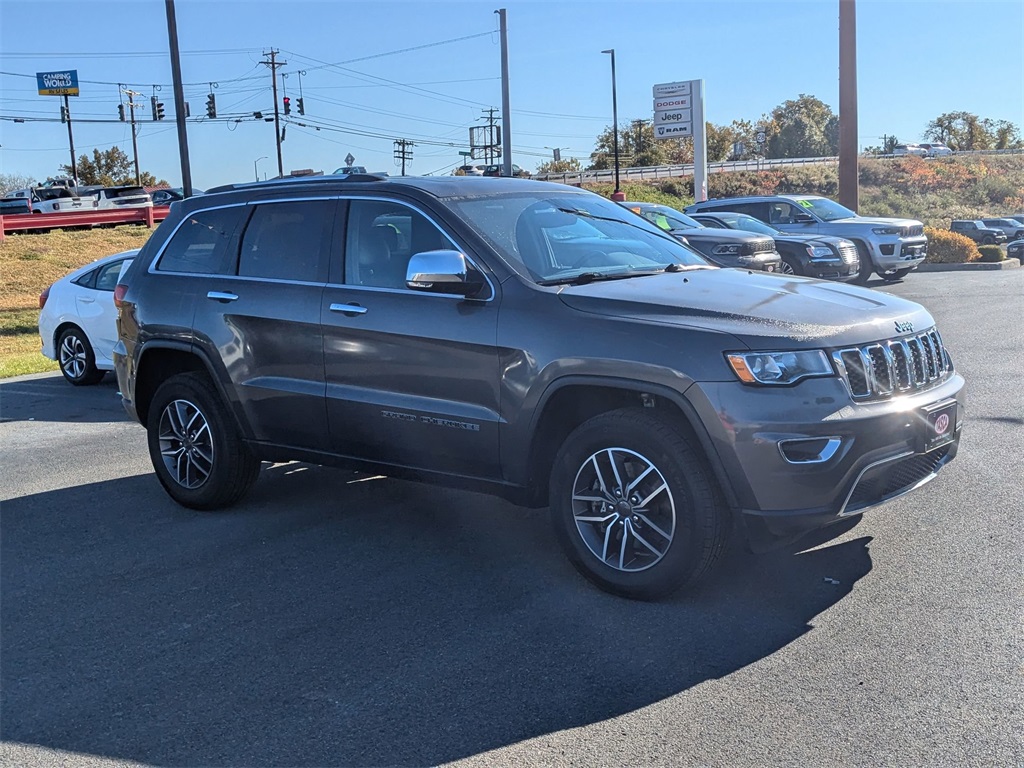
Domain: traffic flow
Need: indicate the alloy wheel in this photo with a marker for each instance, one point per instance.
(186, 443)
(623, 509)
(73, 360)
(786, 268)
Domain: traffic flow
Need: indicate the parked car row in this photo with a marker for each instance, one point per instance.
(489, 170)
(932, 149)
(60, 199)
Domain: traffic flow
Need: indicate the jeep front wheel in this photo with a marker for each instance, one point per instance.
(633, 506)
(196, 450)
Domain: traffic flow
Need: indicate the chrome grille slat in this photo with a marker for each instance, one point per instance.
(894, 366)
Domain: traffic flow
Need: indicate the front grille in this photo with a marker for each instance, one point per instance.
(895, 366)
(913, 231)
(848, 253)
(759, 246)
(890, 479)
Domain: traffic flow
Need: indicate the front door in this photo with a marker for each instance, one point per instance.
(412, 377)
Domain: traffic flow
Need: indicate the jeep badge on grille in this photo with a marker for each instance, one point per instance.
(904, 327)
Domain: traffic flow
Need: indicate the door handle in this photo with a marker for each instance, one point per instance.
(349, 309)
(221, 296)
(86, 300)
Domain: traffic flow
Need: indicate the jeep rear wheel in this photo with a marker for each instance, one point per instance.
(196, 450)
(634, 507)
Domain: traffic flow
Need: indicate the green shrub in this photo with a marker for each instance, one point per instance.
(991, 253)
(945, 247)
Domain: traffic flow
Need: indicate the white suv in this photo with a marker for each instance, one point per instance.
(936, 149)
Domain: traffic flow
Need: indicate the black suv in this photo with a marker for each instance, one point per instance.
(532, 340)
(726, 249)
(821, 256)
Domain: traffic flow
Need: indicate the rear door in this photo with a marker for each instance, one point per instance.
(412, 377)
(260, 319)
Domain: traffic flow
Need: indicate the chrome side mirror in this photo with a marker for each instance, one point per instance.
(442, 272)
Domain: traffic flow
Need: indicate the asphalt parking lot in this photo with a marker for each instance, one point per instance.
(340, 619)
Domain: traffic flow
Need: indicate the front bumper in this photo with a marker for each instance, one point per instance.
(881, 452)
(831, 269)
(899, 252)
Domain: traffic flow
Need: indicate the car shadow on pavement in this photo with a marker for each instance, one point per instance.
(51, 398)
(335, 618)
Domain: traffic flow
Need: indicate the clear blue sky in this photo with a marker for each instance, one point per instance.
(916, 59)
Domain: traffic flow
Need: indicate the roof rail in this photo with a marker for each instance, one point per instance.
(364, 177)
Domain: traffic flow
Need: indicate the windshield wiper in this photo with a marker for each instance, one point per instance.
(589, 215)
(589, 277)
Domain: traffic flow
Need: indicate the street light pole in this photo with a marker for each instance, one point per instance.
(617, 194)
(255, 166)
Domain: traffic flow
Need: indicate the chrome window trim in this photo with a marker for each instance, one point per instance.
(151, 269)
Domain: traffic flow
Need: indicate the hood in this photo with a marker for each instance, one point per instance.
(762, 310)
(709, 234)
(879, 221)
(805, 239)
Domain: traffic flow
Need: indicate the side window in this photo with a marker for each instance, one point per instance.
(106, 276)
(380, 238)
(288, 241)
(781, 213)
(202, 243)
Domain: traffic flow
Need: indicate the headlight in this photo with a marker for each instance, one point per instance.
(726, 249)
(778, 367)
(886, 230)
(819, 251)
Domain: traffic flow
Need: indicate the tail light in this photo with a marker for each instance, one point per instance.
(44, 296)
(119, 292)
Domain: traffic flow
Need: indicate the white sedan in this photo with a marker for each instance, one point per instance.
(78, 320)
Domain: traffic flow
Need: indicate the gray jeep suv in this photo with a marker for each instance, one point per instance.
(531, 340)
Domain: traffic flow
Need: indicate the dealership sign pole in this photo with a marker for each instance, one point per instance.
(678, 113)
(64, 83)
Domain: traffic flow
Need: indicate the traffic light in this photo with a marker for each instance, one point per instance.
(152, 107)
(63, 114)
(159, 110)
(120, 112)
(211, 106)
(302, 109)
(287, 105)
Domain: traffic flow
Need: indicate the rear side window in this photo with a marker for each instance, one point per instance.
(202, 243)
(288, 241)
(107, 275)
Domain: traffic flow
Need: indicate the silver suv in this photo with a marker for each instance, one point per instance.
(890, 248)
(531, 340)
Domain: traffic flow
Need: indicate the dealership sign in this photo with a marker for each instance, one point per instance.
(63, 83)
(679, 114)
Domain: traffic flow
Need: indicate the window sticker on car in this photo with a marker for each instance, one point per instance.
(806, 203)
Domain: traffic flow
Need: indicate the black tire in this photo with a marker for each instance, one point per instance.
(895, 275)
(214, 468)
(76, 359)
(790, 266)
(686, 521)
(866, 268)
(989, 240)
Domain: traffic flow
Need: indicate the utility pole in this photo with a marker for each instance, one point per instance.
(506, 112)
(849, 182)
(179, 99)
(274, 64)
(617, 195)
(490, 133)
(71, 140)
(403, 152)
(135, 143)
(638, 126)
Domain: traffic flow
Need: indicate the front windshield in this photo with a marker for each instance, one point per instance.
(668, 218)
(557, 235)
(824, 209)
(750, 224)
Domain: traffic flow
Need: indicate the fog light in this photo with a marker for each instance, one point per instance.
(811, 450)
